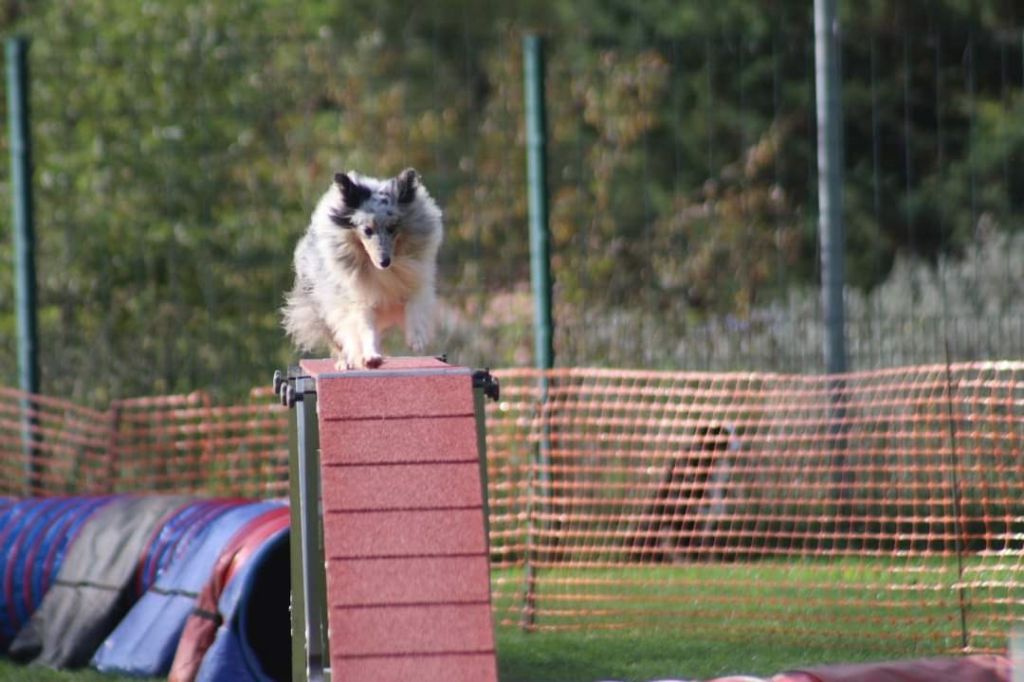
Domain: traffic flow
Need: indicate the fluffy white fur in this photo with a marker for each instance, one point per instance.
(368, 261)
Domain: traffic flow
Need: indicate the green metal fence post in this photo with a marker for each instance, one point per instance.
(16, 51)
(830, 182)
(833, 246)
(536, 166)
(540, 277)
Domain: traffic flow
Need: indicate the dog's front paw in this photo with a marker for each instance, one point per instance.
(417, 337)
(417, 342)
(373, 361)
(348, 361)
(418, 326)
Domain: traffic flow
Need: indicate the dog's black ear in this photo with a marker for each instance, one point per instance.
(354, 194)
(341, 217)
(407, 182)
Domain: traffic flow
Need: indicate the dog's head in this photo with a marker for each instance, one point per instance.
(373, 210)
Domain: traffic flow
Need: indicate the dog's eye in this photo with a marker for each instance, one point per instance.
(391, 230)
(368, 232)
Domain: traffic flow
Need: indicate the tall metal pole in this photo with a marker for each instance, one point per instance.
(537, 181)
(540, 277)
(830, 181)
(831, 235)
(16, 51)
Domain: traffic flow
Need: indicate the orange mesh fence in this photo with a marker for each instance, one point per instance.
(51, 446)
(875, 505)
(187, 444)
(182, 444)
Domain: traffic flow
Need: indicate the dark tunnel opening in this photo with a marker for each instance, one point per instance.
(266, 614)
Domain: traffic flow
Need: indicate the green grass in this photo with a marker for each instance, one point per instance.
(630, 656)
(916, 601)
(713, 619)
(12, 672)
(639, 656)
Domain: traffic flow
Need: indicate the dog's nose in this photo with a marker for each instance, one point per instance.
(385, 261)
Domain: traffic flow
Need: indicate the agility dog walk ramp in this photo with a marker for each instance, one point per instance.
(390, 574)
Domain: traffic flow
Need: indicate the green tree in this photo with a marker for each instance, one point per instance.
(181, 145)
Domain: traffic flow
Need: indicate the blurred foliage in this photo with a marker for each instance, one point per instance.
(180, 146)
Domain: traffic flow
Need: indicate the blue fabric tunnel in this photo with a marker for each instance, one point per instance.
(145, 641)
(34, 537)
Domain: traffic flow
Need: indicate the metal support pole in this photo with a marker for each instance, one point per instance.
(16, 50)
(310, 644)
(536, 167)
(831, 235)
(830, 181)
(540, 277)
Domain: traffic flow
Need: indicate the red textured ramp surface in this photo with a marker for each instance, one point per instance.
(408, 582)
(420, 485)
(451, 668)
(431, 439)
(426, 388)
(428, 532)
